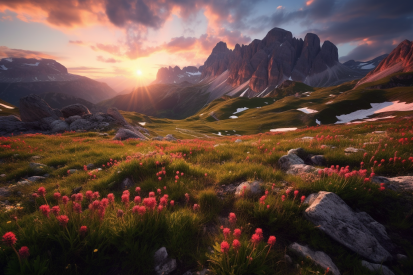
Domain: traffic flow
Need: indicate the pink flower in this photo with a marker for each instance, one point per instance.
(196, 207)
(226, 232)
(151, 194)
(382, 188)
(295, 193)
(159, 191)
(159, 178)
(96, 195)
(142, 210)
(138, 190)
(206, 174)
(271, 240)
(236, 245)
(83, 230)
(224, 247)
(77, 208)
(41, 191)
(135, 209)
(35, 195)
(104, 203)
(79, 197)
(24, 252)
(302, 199)
(89, 195)
(172, 202)
(182, 174)
(176, 177)
(119, 214)
(258, 231)
(9, 239)
(57, 196)
(68, 172)
(288, 191)
(65, 200)
(163, 201)
(137, 200)
(111, 198)
(160, 208)
(63, 220)
(125, 199)
(232, 218)
(56, 210)
(187, 197)
(45, 209)
(150, 202)
(283, 197)
(237, 233)
(262, 199)
(268, 206)
(255, 239)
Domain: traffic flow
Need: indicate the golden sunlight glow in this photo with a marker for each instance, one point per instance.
(139, 72)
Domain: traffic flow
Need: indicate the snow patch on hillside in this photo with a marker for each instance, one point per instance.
(3, 68)
(7, 107)
(307, 110)
(283, 129)
(197, 73)
(233, 117)
(239, 110)
(35, 64)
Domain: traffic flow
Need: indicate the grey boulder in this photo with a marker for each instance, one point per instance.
(297, 169)
(403, 183)
(318, 257)
(335, 218)
(75, 110)
(250, 187)
(124, 134)
(163, 264)
(34, 108)
(291, 159)
(116, 115)
(169, 137)
(72, 119)
(318, 160)
(10, 124)
(379, 268)
(351, 150)
(59, 126)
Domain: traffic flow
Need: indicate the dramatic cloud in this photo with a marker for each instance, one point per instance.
(18, 53)
(107, 60)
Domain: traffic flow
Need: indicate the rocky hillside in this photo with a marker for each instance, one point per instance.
(20, 77)
(166, 75)
(399, 60)
(265, 64)
(365, 65)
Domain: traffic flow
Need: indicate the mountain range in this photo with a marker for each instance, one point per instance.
(20, 77)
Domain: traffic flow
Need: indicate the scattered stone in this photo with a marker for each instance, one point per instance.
(75, 110)
(371, 143)
(11, 123)
(381, 269)
(318, 160)
(403, 183)
(238, 140)
(59, 126)
(77, 190)
(251, 187)
(163, 264)
(159, 138)
(72, 171)
(335, 218)
(37, 166)
(288, 259)
(46, 175)
(126, 184)
(401, 257)
(124, 134)
(307, 138)
(4, 192)
(351, 150)
(170, 137)
(103, 134)
(2, 175)
(328, 147)
(291, 159)
(58, 113)
(35, 157)
(310, 198)
(90, 166)
(297, 169)
(318, 257)
(35, 178)
(299, 152)
(72, 119)
(23, 183)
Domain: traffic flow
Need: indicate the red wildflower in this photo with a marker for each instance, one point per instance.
(9, 239)
(288, 191)
(159, 191)
(159, 178)
(142, 210)
(24, 252)
(125, 199)
(57, 196)
(237, 233)
(196, 207)
(271, 240)
(258, 231)
(35, 195)
(382, 188)
(137, 200)
(283, 197)
(236, 245)
(96, 195)
(172, 202)
(295, 193)
(302, 199)
(119, 214)
(45, 209)
(151, 194)
(77, 208)
(56, 210)
(135, 209)
(160, 208)
(187, 197)
(41, 191)
(226, 232)
(83, 230)
(63, 220)
(111, 198)
(89, 195)
(224, 247)
(150, 202)
(255, 239)
(138, 190)
(232, 218)
(79, 197)
(65, 200)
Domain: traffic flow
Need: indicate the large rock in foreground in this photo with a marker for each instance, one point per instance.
(116, 115)
(287, 161)
(318, 257)
(33, 108)
(75, 110)
(124, 134)
(334, 217)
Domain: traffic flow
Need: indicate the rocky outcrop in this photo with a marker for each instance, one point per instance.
(217, 62)
(33, 108)
(113, 111)
(163, 264)
(335, 218)
(318, 257)
(379, 268)
(75, 110)
(124, 134)
(252, 188)
(399, 60)
(189, 74)
(10, 124)
(402, 183)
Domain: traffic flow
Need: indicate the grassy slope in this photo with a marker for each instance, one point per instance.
(127, 244)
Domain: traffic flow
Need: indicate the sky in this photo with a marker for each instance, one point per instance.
(114, 39)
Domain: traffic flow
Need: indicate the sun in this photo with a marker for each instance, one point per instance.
(139, 72)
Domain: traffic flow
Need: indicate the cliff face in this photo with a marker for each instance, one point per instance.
(399, 60)
(166, 75)
(270, 61)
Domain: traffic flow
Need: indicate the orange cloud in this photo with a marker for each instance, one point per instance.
(18, 53)
(309, 2)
